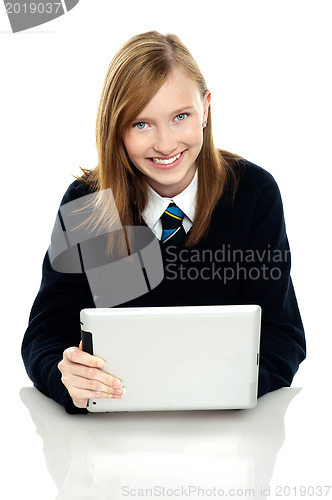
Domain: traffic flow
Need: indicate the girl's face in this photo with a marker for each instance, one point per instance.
(165, 139)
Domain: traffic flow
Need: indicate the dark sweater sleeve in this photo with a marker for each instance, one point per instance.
(54, 325)
(283, 344)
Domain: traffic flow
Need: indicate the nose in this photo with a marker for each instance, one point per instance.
(165, 141)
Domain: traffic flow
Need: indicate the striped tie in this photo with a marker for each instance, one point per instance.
(171, 221)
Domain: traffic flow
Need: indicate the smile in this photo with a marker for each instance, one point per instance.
(159, 161)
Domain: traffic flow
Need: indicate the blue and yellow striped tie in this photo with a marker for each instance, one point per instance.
(171, 221)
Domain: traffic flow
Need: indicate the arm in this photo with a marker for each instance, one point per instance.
(54, 326)
(282, 336)
(55, 364)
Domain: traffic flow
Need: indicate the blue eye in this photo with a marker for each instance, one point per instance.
(139, 125)
(181, 116)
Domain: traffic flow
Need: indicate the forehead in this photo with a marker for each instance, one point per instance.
(179, 90)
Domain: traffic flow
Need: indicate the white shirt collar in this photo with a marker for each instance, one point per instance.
(156, 205)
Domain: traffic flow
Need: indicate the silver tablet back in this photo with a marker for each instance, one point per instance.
(177, 358)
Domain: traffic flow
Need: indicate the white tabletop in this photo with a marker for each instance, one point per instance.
(272, 451)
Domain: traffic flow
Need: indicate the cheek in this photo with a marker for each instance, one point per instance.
(132, 145)
(194, 134)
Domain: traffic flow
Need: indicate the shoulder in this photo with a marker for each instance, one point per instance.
(254, 178)
(257, 193)
(76, 190)
(257, 186)
(258, 197)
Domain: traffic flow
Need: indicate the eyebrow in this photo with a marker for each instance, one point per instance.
(183, 109)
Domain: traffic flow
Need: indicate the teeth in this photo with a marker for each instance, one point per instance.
(166, 162)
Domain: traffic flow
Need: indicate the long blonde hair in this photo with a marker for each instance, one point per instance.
(135, 74)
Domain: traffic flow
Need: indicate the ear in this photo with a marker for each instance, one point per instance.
(206, 105)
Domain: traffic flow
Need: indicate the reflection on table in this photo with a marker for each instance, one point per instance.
(191, 454)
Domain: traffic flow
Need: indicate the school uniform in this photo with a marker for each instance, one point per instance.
(244, 259)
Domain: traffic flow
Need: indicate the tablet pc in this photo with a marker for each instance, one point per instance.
(177, 358)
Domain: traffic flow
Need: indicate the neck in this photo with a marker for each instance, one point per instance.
(173, 189)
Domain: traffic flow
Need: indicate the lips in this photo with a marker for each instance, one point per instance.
(167, 163)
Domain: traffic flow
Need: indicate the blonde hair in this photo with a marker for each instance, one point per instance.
(135, 74)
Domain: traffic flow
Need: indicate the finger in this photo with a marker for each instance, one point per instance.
(81, 346)
(80, 397)
(76, 355)
(95, 386)
(90, 373)
(80, 403)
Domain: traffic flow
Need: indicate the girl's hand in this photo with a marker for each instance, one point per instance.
(84, 378)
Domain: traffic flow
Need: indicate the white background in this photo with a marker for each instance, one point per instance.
(268, 66)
